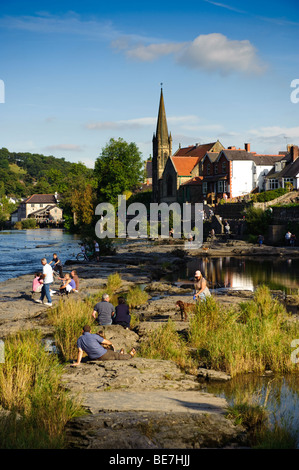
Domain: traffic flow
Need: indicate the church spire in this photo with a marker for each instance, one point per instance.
(162, 130)
(162, 149)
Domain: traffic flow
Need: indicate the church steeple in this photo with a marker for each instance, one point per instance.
(162, 148)
(162, 130)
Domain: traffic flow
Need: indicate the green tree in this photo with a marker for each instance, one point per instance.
(119, 168)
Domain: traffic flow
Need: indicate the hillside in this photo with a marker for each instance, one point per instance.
(22, 174)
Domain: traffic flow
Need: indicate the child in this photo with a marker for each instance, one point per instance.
(37, 282)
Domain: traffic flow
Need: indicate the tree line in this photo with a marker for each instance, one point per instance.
(118, 169)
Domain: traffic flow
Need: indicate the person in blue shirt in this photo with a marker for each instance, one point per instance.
(92, 345)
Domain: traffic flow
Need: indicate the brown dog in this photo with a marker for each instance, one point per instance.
(184, 308)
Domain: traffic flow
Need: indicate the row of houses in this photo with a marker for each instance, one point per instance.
(209, 172)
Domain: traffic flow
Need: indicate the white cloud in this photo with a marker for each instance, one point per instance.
(154, 51)
(210, 52)
(65, 147)
(215, 52)
(275, 131)
(140, 122)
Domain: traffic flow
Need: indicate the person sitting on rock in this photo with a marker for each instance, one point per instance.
(75, 277)
(103, 311)
(68, 285)
(122, 314)
(92, 345)
(37, 282)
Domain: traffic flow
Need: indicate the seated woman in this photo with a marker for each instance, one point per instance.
(122, 314)
(68, 285)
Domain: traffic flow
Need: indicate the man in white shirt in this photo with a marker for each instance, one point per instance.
(48, 280)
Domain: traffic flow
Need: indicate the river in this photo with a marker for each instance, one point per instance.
(22, 250)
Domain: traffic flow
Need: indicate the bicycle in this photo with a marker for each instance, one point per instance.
(85, 256)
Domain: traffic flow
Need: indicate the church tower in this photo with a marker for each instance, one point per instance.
(162, 149)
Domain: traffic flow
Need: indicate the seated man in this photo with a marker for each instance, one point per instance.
(91, 344)
(103, 311)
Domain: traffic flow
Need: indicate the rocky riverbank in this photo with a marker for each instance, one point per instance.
(143, 403)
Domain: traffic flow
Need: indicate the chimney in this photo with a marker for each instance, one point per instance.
(294, 152)
(247, 147)
(231, 148)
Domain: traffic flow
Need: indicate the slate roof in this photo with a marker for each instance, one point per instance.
(212, 156)
(290, 170)
(40, 199)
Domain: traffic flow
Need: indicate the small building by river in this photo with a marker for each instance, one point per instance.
(42, 207)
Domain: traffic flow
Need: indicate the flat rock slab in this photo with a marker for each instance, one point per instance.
(159, 401)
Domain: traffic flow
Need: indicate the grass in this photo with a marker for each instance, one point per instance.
(165, 343)
(30, 388)
(114, 282)
(68, 319)
(252, 338)
(136, 296)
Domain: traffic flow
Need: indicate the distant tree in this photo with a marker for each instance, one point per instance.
(6, 208)
(119, 168)
(83, 205)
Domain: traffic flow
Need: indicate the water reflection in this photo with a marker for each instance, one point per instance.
(279, 395)
(243, 273)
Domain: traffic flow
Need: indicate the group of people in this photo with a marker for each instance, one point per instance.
(290, 238)
(43, 281)
(95, 345)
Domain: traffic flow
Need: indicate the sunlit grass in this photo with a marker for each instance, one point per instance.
(30, 389)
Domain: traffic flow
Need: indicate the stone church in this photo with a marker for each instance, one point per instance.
(171, 172)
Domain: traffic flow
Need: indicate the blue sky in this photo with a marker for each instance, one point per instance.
(76, 74)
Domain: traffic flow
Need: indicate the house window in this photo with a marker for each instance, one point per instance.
(32, 205)
(224, 186)
(208, 169)
(288, 180)
(220, 186)
(41, 205)
(204, 188)
(223, 167)
(216, 169)
(273, 184)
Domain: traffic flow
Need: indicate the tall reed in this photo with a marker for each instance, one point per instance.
(30, 388)
(250, 338)
(68, 319)
(166, 343)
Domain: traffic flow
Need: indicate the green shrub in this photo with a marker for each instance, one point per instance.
(136, 296)
(270, 195)
(257, 221)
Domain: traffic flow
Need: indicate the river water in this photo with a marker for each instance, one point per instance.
(243, 273)
(22, 250)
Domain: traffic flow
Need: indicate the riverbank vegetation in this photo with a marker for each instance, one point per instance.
(36, 405)
(261, 433)
(254, 337)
